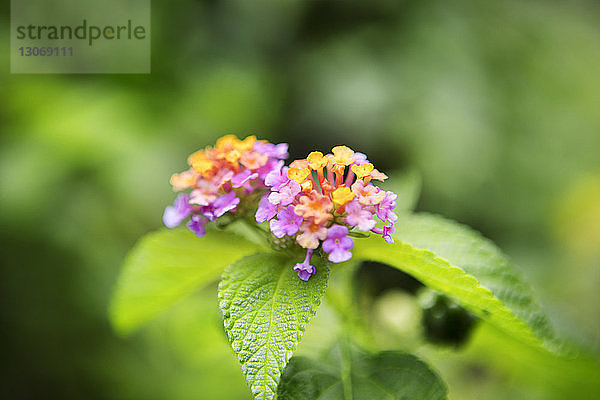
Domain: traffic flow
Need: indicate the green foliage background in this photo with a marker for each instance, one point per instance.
(495, 104)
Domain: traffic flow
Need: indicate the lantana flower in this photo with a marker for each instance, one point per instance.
(321, 200)
(220, 178)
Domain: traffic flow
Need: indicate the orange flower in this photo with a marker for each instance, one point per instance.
(310, 235)
(184, 180)
(201, 163)
(315, 206)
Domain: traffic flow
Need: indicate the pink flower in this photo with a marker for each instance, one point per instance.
(287, 223)
(224, 203)
(368, 194)
(222, 177)
(359, 217)
(204, 194)
(265, 210)
(277, 178)
(338, 244)
(286, 195)
(238, 180)
(279, 151)
(385, 208)
(270, 166)
(310, 235)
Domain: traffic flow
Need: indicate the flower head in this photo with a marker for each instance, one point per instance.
(331, 195)
(222, 177)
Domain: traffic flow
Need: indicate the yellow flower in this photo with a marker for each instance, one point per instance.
(306, 186)
(362, 171)
(342, 196)
(298, 174)
(316, 160)
(201, 163)
(227, 142)
(232, 156)
(231, 142)
(246, 144)
(343, 155)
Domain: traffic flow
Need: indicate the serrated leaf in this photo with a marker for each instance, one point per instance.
(167, 265)
(468, 268)
(265, 310)
(350, 374)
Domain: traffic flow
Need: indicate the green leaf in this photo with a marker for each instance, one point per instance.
(265, 309)
(468, 268)
(349, 374)
(167, 265)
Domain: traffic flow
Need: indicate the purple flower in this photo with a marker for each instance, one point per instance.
(304, 269)
(220, 206)
(196, 225)
(359, 159)
(238, 180)
(387, 232)
(270, 166)
(277, 178)
(338, 244)
(265, 210)
(287, 222)
(279, 151)
(180, 210)
(385, 208)
(358, 216)
(286, 195)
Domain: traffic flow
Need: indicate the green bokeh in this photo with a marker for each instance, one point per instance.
(494, 105)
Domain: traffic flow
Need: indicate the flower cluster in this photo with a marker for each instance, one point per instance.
(219, 176)
(320, 199)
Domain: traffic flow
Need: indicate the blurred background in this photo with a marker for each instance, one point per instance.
(495, 106)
